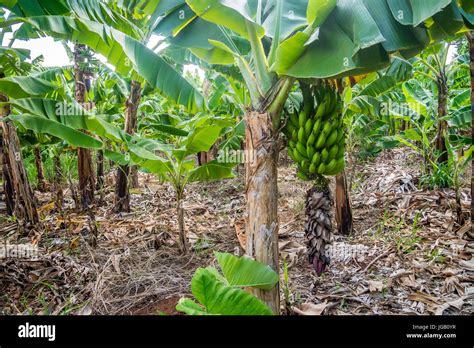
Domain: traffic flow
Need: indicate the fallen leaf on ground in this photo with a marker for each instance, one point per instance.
(424, 298)
(467, 264)
(375, 285)
(311, 308)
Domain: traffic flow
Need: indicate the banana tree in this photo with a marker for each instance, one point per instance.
(19, 195)
(295, 40)
(176, 163)
(435, 61)
(117, 31)
(272, 43)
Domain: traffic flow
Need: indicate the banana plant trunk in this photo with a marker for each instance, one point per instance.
(470, 36)
(262, 197)
(134, 177)
(122, 193)
(100, 170)
(39, 168)
(442, 124)
(183, 241)
(19, 194)
(84, 156)
(8, 193)
(58, 174)
(343, 205)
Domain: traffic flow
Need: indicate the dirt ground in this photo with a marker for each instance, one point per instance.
(406, 255)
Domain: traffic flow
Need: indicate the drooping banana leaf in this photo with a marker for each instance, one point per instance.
(121, 50)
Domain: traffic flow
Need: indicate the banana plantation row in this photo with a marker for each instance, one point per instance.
(323, 79)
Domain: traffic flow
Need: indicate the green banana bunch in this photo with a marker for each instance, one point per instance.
(316, 141)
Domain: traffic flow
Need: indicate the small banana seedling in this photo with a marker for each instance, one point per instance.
(286, 288)
(175, 163)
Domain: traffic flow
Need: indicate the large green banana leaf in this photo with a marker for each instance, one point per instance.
(399, 70)
(246, 272)
(25, 86)
(121, 50)
(69, 114)
(43, 125)
(353, 36)
(36, 7)
(217, 298)
(212, 170)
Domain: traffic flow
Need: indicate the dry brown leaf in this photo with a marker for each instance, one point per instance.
(424, 298)
(291, 250)
(74, 243)
(452, 283)
(409, 280)
(115, 259)
(86, 310)
(311, 308)
(375, 285)
(458, 303)
(467, 264)
(239, 227)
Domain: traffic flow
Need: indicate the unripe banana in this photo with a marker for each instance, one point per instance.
(340, 152)
(298, 157)
(317, 127)
(340, 135)
(308, 127)
(324, 156)
(321, 111)
(301, 136)
(316, 159)
(321, 140)
(327, 128)
(317, 139)
(331, 165)
(339, 167)
(310, 150)
(321, 168)
(305, 166)
(294, 135)
(331, 139)
(302, 119)
(301, 149)
(333, 151)
(294, 120)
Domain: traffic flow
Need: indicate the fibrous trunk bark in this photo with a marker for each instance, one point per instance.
(134, 177)
(470, 36)
(100, 170)
(84, 156)
(440, 141)
(183, 241)
(23, 200)
(122, 194)
(318, 224)
(39, 168)
(343, 205)
(100, 175)
(262, 147)
(58, 182)
(8, 192)
(86, 178)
